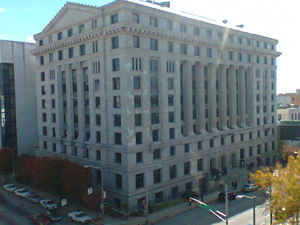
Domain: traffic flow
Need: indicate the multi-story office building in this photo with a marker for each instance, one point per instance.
(153, 98)
(17, 96)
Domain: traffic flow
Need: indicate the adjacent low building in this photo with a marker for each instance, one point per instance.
(154, 99)
(18, 96)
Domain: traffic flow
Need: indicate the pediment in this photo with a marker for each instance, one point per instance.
(70, 14)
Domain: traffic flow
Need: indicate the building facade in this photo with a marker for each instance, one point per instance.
(18, 96)
(154, 99)
(284, 114)
(288, 99)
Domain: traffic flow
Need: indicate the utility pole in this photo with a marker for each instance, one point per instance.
(226, 203)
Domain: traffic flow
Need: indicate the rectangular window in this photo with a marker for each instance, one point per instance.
(170, 46)
(116, 83)
(153, 44)
(137, 101)
(41, 43)
(196, 31)
(60, 55)
(173, 171)
(139, 181)
(199, 145)
(43, 77)
(70, 32)
(41, 60)
(169, 25)
(156, 154)
(153, 21)
(95, 46)
(171, 117)
(172, 150)
(139, 138)
(118, 138)
(171, 133)
(59, 36)
(136, 18)
(153, 65)
(170, 83)
(196, 51)
(81, 28)
(183, 49)
(118, 157)
(155, 135)
(138, 119)
(136, 82)
(98, 155)
(139, 157)
(82, 50)
(157, 176)
(50, 57)
(71, 52)
(94, 24)
(117, 120)
(116, 64)
(114, 18)
(98, 136)
(209, 53)
(155, 118)
(186, 148)
(117, 102)
(97, 102)
(118, 181)
(200, 164)
(115, 42)
(182, 28)
(187, 168)
(98, 119)
(136, 41)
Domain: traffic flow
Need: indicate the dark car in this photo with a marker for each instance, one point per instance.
(231, 196)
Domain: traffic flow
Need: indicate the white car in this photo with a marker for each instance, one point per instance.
(23, 192)
(10, 187)
(48, 204)
(79, 216)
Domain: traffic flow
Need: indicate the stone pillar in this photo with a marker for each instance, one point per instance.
(223, 97)
(163, 104)
(212, 105)
(232, 97)
(200, 98)
(70, 112)
(251, 97)
(59, 104)
(242, 96)
(187, 98)
(80, 97)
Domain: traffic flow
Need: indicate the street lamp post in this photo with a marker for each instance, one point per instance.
(253, 198)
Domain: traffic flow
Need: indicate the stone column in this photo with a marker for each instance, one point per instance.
(268, 95)
(59, 104)
(187, 98)
(223, 97)
(163, 98)
(200, 98)
(70, 110)
(242, 97)
(251, 98)
(212, 105)
(232, 97)
(80, 97)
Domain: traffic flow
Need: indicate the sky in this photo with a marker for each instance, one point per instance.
(278, 19)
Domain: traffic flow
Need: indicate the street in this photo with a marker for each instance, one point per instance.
(240, 211)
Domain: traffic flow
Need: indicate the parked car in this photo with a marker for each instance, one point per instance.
(48, 204)
(10, 187)
(35, 198)
(39, 219)
(53, 216)
(22, 192)
(79, 216)
(231, 196)
(250, 187)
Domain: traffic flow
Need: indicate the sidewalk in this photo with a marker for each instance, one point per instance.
(157, 216)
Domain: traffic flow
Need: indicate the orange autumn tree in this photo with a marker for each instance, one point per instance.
(285, 185)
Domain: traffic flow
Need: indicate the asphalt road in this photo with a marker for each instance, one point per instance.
(240, 214)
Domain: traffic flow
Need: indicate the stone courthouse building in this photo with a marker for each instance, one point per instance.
(154, 99)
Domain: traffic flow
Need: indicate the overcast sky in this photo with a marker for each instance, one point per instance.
(278, 19)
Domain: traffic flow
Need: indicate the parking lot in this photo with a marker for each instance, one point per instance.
(34, 207)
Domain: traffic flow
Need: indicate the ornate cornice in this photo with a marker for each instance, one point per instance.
(142, 31)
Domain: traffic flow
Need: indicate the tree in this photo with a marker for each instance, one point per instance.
(285, 185)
